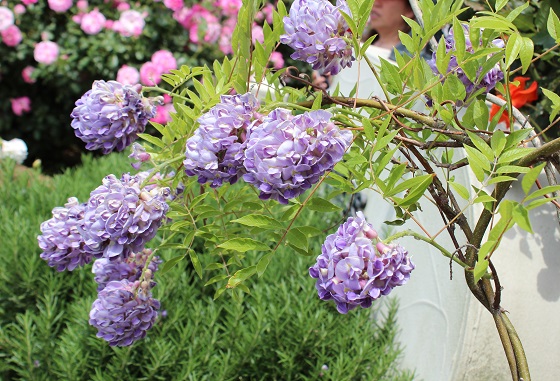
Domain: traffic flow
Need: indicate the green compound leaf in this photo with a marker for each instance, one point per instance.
(530, 177)
(321, 205)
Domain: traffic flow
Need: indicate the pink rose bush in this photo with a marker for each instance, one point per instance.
(61, 45)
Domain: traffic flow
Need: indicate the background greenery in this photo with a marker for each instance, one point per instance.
(282, 331)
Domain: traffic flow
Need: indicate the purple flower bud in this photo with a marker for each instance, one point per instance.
(287, 154)
(352, 272)
(487, 81)
(130, 268)
(316, 30)
(110, 116)
(215, 152)
(139, 154)
(123, 312)
(120, 216)
(62, 239)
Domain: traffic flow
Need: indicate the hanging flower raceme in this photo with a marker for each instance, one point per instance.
(124, 311)
(120, 216)
(110, 115)
(129, 268)
(316, 30)
(487, 81)
(353, 272)
(62, 239)
(215, 152)
(287, 154)
(520, 96)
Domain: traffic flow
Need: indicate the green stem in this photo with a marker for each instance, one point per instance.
(411, 233)
(168, 92)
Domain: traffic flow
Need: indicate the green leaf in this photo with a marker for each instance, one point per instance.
(297, 238)
(513, 154)
(512, 169)
(481, 117)
(240, 276)
(152, 139)
(484, 198)
(521, 218)
(526, 53)
(460, 189)
(321, 205)
(530, 177)
(263, 263)
(500, 4)
(409, 184)
(242, 245)
(453, 88)
(442, 58)
(545, 190)
(317, 102)
(500, 179)
(460, 44)
(498, 142)
(391, 76)
(196, 263)
(517, 11)
(476, 158)
(215, 279)
(368, 129)
(259, 220)
(168, 265)
(555, 99)
(513, 47)
(490, 22)
(553, 26)
(538, 202)
(480, 269)
(480, 143)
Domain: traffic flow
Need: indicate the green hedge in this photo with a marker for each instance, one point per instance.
(282, 331)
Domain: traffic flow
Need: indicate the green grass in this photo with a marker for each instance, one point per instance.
(282, 331)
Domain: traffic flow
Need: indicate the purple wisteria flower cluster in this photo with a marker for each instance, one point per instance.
(215, 152)
(123, 312)
(487, 81)
(111, 115)
(287, 154)
(121, 216)
(353, 272)
(318, 33)
(281, 154)
(62, 240)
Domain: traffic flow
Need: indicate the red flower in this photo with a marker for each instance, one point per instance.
(520, 95)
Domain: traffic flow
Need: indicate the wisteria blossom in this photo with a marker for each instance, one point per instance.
(353, 271)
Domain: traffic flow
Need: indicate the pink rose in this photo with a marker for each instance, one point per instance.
(164, 60)
(27, 74)
(257, 33)
(21, 105)
(93, 22)
(205, 25)
(163, 113)
(46, 52)
(229, 7)
(277, 60)
(82, 5)
(224, 43)
(123, 7)
(174, 5)
(60, 5)
(128, 75)
(150, 74)
(131, 23)
(29, 2)
(11, 36)
(184, 16)
(19, 9)
(6, 18)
